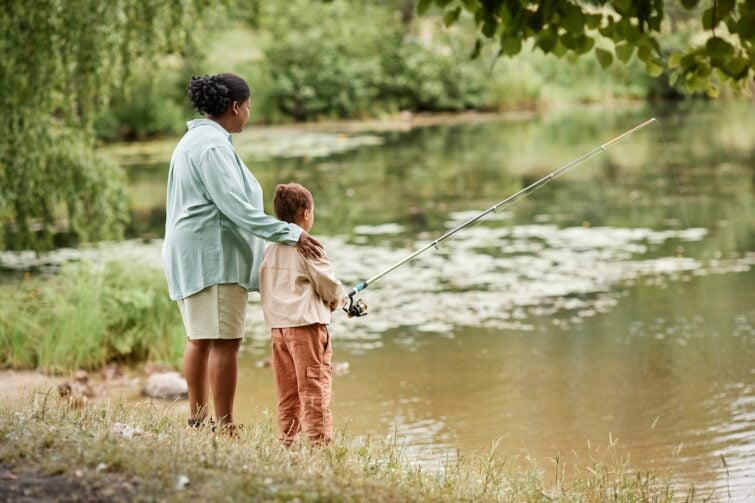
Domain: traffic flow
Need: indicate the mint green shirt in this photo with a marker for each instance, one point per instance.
(215, 228)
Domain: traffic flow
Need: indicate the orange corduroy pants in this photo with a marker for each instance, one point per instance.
(301, 361)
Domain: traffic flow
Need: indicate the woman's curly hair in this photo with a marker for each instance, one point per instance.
(213, 94)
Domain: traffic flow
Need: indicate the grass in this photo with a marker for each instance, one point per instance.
(157, 459)
(86, 316)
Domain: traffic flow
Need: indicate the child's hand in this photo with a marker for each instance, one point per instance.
(339, 304)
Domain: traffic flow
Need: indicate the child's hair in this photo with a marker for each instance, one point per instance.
(290, 199)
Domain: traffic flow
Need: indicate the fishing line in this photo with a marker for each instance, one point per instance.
(685, 213)
(359, 308)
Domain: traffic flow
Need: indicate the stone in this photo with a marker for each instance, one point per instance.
(78, 391)
(166, 385)
(111, 372)
(341, 368)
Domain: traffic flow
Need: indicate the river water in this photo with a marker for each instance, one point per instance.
(616, 305)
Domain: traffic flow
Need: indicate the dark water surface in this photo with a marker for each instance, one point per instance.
(603, 308)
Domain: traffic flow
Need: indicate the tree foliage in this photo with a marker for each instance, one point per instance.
(346, 58)
(621, 29)
(60, 61)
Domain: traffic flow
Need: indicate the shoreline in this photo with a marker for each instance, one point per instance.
(120, 452)
(133, 152)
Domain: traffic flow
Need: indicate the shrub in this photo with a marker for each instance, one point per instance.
(88, 315)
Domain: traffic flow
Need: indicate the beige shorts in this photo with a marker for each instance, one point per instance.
(217, 312)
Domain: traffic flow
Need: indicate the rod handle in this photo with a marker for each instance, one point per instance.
(358, 288)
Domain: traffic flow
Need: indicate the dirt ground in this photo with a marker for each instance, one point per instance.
(23, 486)
(15, 384)
(20, 385)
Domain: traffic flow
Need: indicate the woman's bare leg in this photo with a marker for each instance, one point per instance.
(223, 368)
(195, 371)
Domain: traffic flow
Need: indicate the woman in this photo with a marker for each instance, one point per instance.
(214, 232)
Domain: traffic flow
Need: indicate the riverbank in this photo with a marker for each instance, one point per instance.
(141, 453)
(256, 139)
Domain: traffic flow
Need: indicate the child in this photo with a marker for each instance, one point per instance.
(298, 296)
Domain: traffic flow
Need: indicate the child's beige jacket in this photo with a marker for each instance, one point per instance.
(296, 291)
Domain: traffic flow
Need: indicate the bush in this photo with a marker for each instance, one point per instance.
(89, 315)
(59, 187)
(324, 58)
(155, 105)
(418, 78)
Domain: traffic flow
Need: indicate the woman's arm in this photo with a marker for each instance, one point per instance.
(220, 174)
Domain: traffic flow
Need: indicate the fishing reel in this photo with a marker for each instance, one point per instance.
(356, 309)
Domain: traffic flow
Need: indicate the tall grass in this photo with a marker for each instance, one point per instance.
(88, 315)
(162, 461)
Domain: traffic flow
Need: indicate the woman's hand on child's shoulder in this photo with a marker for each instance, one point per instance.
(309, 247)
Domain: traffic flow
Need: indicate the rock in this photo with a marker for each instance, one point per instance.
(77, 392)
(182, 482)
(81, 376)
(341, 368)
(264, 363)
(125, 430)
(111, 372)
(156, 368)
(166, 385)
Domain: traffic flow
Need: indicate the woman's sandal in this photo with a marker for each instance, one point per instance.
(195, 424)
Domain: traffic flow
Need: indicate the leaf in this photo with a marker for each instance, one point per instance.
(644, 53)
(624, 51)
(689, 4)
(511, 45)
(718, 47)
(708, 20)
(584, 44)
(594, 20)
(723, 8)
(696, 82)
(731, 24)
(736, 67)
(674, 60)
(712, 91)
(673, 78)
(560, 50)
(422, 6)
(476, 49)
(489, 27)
(622, 6)
(604, 57)
(627, 31)
(451, 16)
(746, 27)
(689, 60)
(574, 21)
(569, 41)
(655, 22)
(546, 41)
(654, 68)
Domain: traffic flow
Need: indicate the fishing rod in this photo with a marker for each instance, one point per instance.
(359, 308)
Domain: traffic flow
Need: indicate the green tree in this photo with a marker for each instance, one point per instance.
(620, 29)
(60, 61)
